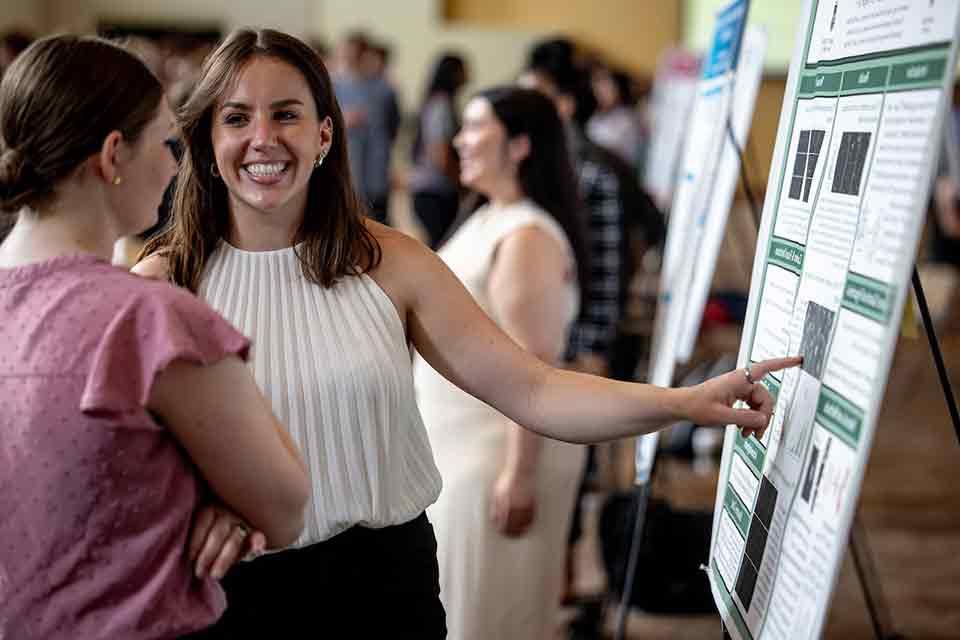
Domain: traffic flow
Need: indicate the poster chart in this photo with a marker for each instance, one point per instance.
(858, 141)
(697, 206)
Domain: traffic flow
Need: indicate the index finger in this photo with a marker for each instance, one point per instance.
(760, 369)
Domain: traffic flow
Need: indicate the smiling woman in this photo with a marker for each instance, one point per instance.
(267, 228)
(265, 145)
(267, 149)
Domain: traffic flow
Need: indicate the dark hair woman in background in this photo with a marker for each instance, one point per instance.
(503, 516)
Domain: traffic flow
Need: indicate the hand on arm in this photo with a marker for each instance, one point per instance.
(219, 538)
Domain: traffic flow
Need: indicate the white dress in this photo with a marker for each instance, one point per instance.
(493, 587)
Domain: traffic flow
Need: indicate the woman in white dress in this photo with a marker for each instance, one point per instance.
(504, 512)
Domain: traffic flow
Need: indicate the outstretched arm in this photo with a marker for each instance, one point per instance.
(458, 339)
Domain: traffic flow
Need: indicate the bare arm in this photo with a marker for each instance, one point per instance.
(220, 417)
(530, 301)
(457, 338)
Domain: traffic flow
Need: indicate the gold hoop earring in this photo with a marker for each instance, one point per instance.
(117, 180)
(214, 170)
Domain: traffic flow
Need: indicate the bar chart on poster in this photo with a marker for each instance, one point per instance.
(857, 143)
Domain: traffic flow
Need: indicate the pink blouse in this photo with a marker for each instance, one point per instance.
(96, 497)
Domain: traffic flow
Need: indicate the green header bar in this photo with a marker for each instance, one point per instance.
(868, 297)
(840, 416)
(772, 386)
(752, 453)
(820, 83)
(895, 53)
(929, 71)
(786, 254)
(865, 79)
(738, 512)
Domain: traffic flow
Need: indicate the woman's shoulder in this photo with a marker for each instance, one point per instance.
(527, 213)
(406, 263)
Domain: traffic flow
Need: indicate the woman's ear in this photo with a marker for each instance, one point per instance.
(518, 148)
(108, 160)
(326, 134)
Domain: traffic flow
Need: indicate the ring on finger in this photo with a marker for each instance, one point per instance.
(746, 373)
(242, 529)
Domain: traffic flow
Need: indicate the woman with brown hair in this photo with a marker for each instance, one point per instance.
(117, 394)
(267, 228)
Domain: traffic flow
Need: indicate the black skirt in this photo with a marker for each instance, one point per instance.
(362, 583)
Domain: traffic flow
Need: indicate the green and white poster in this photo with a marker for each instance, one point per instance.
(859, 135)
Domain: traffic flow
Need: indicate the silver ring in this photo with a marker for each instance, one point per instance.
(243, 529)
(746, 372)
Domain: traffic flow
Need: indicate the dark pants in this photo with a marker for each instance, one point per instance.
(362, 583)
(436, 212)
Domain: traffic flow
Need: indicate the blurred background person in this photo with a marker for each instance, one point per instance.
(615, 125)
(435, 182)
(504, 512)
(371, 115)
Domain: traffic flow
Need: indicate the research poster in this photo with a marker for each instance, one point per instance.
(858, 141)
(705, 150)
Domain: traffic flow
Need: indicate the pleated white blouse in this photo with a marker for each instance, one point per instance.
(335, 366)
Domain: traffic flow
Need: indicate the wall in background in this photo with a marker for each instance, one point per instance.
(21, 14)
(418, 32)
(630, 33)
(494, 35)
(294, 16)
(780, 19)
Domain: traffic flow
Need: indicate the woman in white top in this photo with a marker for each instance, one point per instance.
(504, 512)
(268, 229)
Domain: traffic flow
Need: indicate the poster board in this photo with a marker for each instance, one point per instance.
(671, 99)
(857, 145)
(710, 224)
(701, 158)
(706, 149)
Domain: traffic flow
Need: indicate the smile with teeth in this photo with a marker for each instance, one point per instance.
(265, 169)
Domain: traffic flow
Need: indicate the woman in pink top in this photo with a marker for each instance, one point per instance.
(124, 404)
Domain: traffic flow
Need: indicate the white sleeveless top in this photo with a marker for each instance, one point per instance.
(469, 254)
(335, 366)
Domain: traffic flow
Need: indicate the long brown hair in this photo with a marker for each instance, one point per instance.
(58, 101)
(332, 239)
